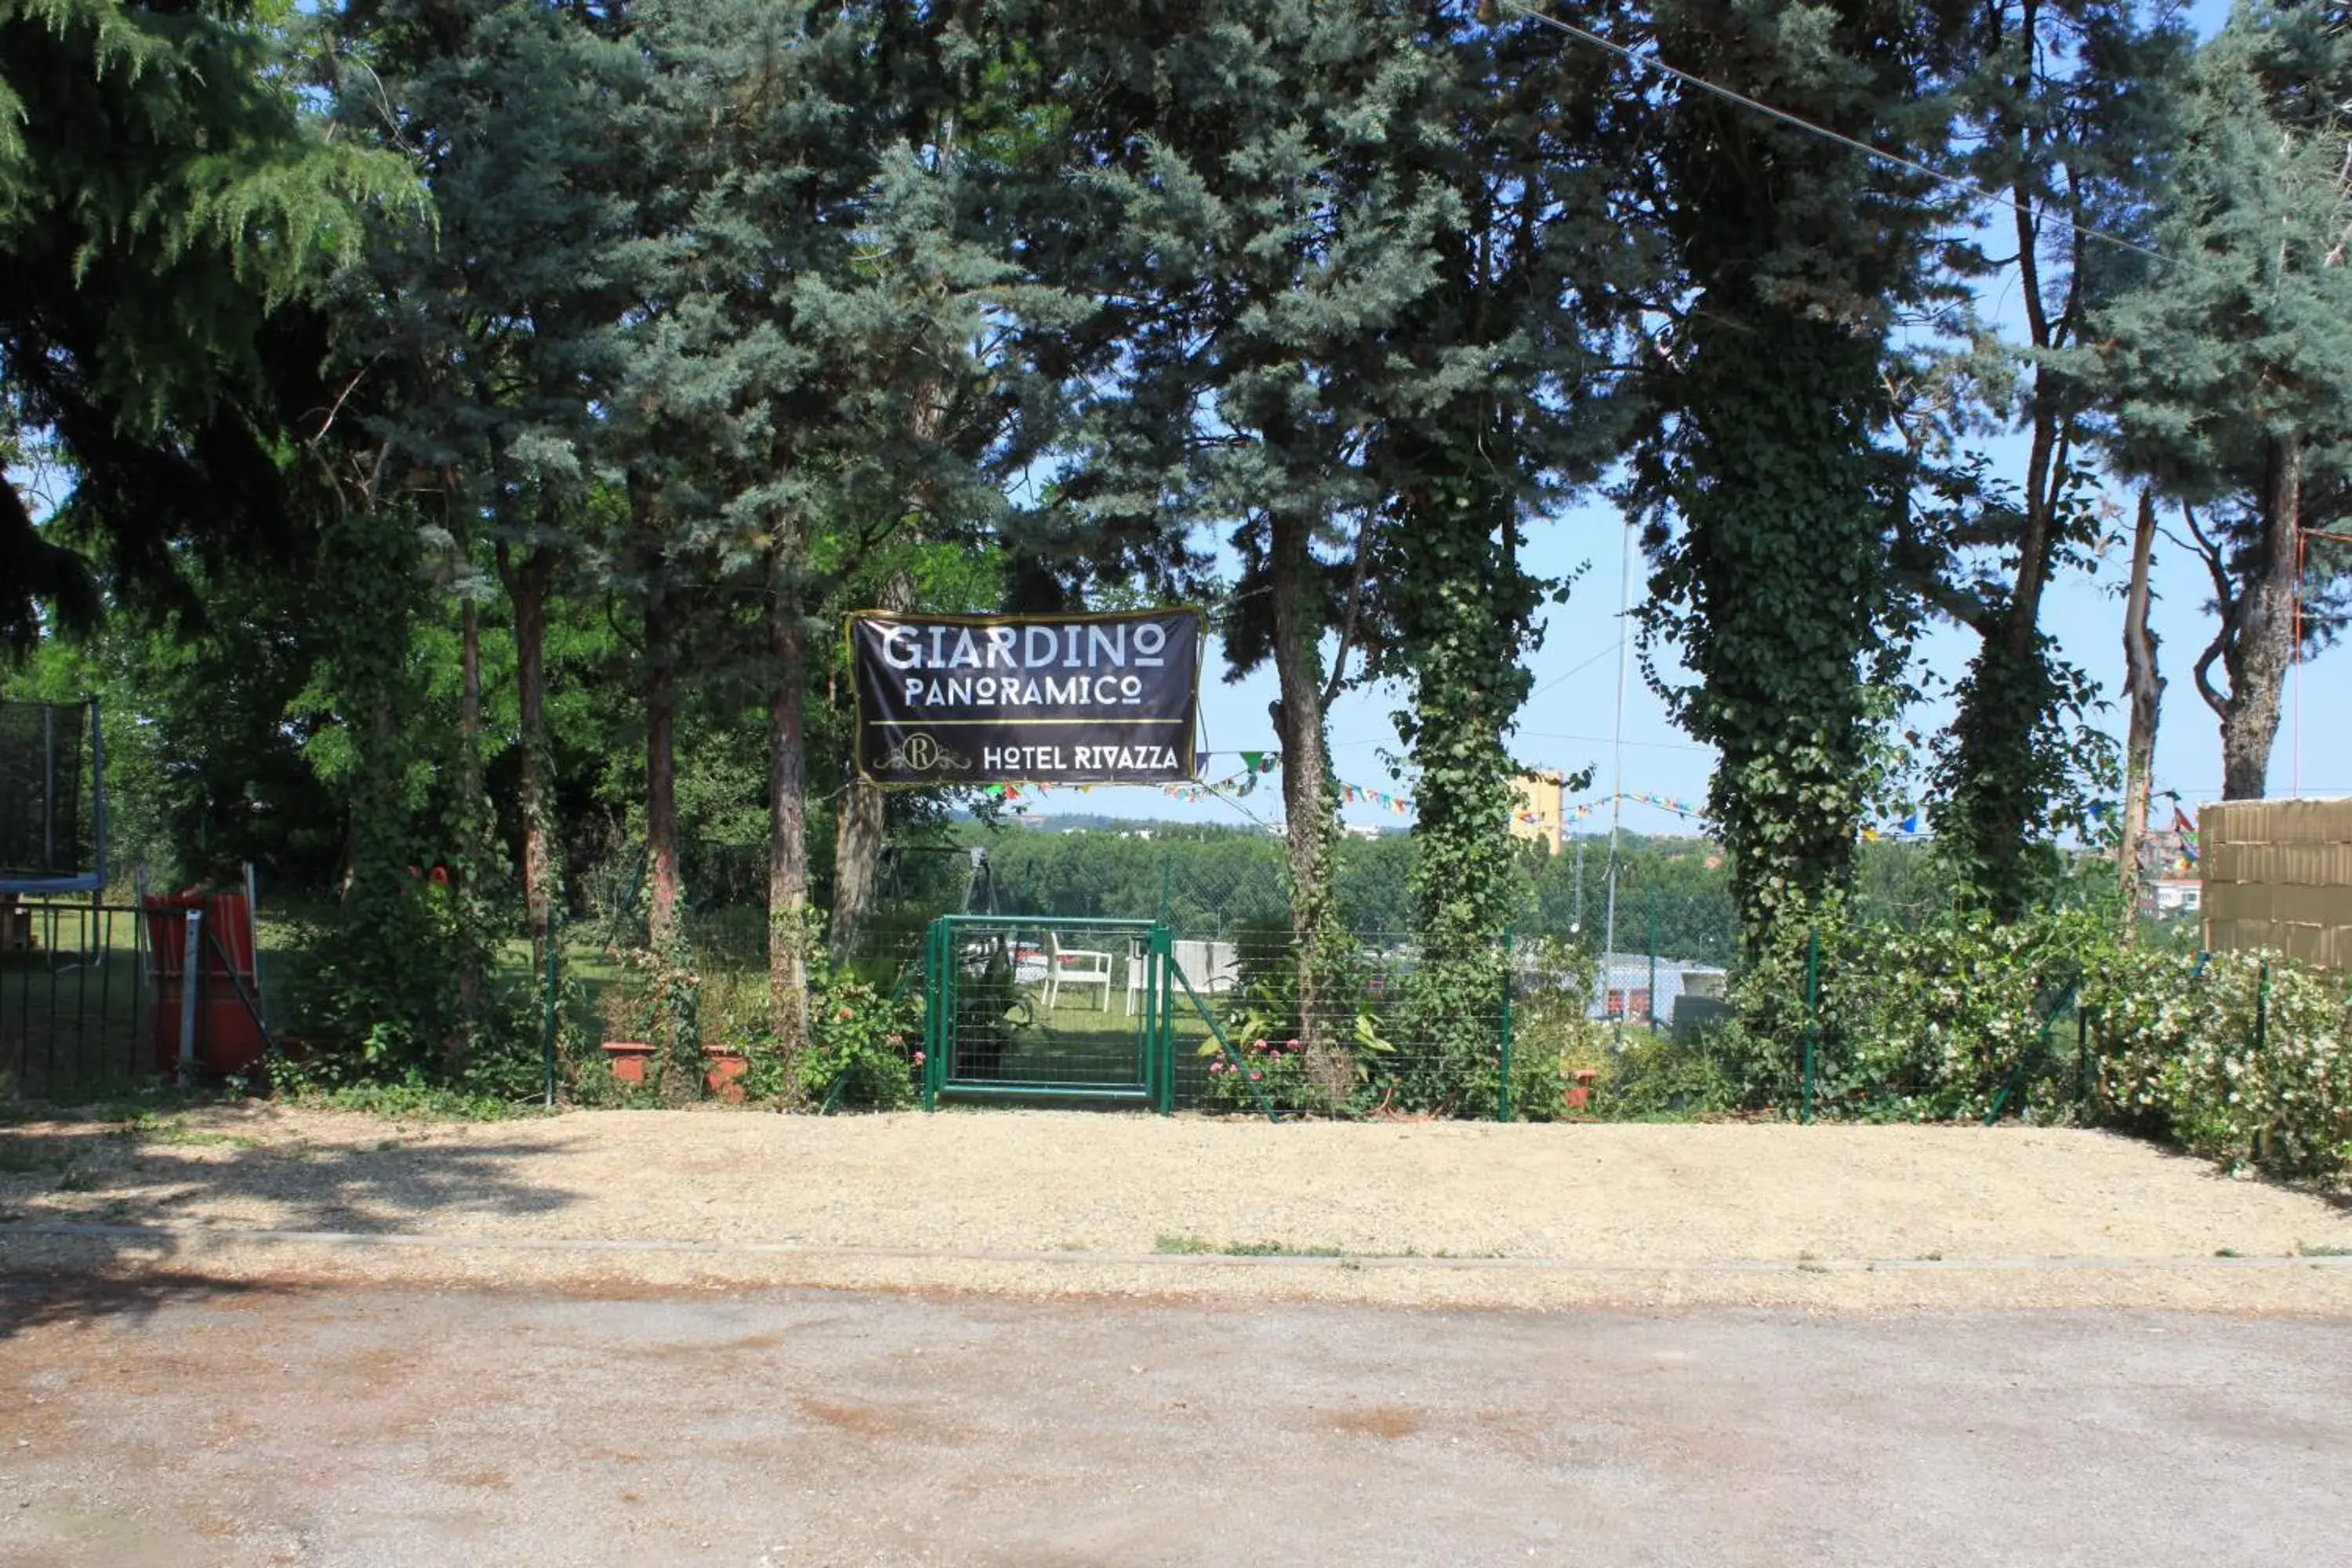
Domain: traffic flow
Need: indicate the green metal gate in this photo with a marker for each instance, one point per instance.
(1031, 1007)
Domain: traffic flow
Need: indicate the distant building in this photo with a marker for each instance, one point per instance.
(1538, 808)
(2176, 896)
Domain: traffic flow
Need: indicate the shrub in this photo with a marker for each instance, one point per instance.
(1553, 1033)
(860, 1045)
(1931, 1024)
(2245, 1058)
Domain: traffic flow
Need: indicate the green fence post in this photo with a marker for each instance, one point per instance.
(1812, 1015)
(934, 1012)
(2261, 1048)
(1510, 983)
(2081, 1058)
(1162, 1065)
(547, 1039)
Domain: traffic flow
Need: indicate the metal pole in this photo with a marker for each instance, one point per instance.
(1653, 958)
(191, 973)
(1812, 1014)
(143, 1024)
(253, 937)
(1617, 785)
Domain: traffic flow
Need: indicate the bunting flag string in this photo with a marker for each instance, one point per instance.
(1911, 825)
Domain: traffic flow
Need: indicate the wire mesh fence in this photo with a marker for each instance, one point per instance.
(1379, 1023)
(73, 1018)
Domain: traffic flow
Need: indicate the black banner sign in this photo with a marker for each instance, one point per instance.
(1107, 698)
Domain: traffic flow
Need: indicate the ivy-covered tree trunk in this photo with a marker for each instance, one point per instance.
(1466, 615)
(1309, 808)
(2144, 694)
(788, 927)
(1771, 499)
(1779, 560)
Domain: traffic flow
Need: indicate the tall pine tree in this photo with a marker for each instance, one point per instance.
(2229, 368)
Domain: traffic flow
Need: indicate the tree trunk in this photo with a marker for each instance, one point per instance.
(2261, 645)
(788, 936)
(661, 773)
(1306, 776)
(857, 832)
(527, 590)
(2144, 693)
(474, 813)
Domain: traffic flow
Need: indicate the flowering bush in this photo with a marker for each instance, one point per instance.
(2244, 1058)
(1275, 1068)
(862, 1042)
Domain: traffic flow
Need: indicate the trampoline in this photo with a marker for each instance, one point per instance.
(52, 799)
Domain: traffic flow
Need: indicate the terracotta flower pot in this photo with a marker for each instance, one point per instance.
(722, 1073)
(629, 1058)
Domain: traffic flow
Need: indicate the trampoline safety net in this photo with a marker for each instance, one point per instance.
(47, 819)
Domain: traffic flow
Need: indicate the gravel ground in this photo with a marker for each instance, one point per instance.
(1077, 1203)
(362, 1426)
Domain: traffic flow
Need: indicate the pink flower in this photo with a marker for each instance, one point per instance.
(1216, 1069)
(1257, 1045)
(1291, 1045)
(841, 1016)
(1255, 1075)
(918, 1059)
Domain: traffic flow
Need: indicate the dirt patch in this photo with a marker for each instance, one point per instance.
(1388, 1422)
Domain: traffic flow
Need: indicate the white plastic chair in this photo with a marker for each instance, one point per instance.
(1078, 966)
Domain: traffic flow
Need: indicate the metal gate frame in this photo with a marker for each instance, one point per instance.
(1154, 1082)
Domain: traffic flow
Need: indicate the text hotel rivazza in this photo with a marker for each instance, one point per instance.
(1077, 759)
(1100, 655)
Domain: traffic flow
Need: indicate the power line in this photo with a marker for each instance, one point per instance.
(1574, 670)
(1604, 740)
(1952, 182)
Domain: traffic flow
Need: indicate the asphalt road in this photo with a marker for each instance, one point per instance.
(186, 1424)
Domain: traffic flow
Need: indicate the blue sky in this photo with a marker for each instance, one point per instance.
(1569, 721)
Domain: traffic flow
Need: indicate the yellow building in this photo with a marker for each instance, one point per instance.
(1538, 808)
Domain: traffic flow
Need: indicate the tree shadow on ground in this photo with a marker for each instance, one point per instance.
(67, 1297)
(117, 1199)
